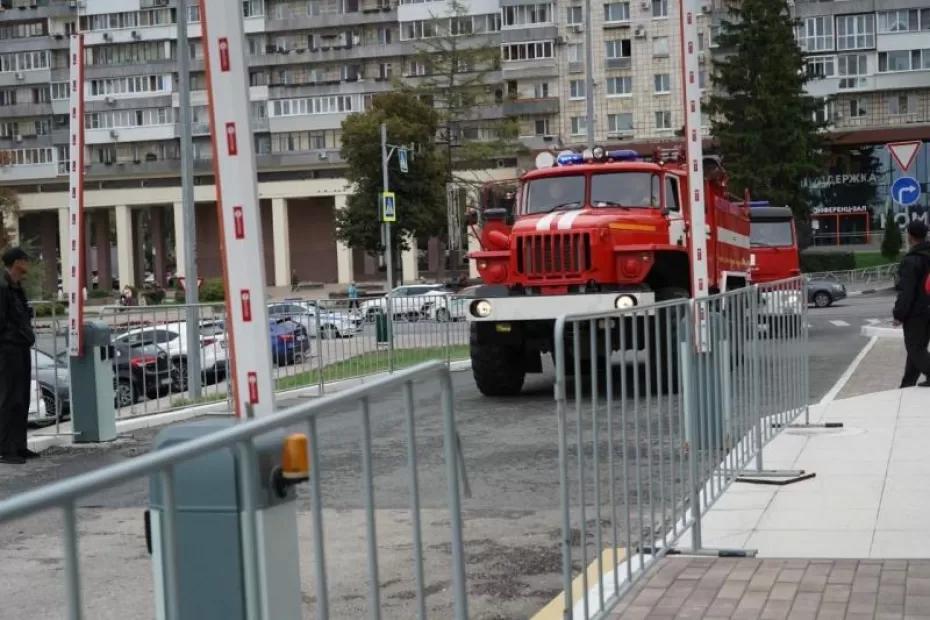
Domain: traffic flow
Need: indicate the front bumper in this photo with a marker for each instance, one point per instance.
(550, 307)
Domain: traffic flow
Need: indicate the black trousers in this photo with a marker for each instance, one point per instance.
(916, 340)
(15, 373)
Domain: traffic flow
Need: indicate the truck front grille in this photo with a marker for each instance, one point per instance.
(553, 255)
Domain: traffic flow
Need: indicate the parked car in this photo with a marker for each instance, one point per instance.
(53, 380)
(172, 338)
(289, 342)
(444, 308)
(822, 292)
(37, 411)
(332, 324)
(407, 301)
(141, 371)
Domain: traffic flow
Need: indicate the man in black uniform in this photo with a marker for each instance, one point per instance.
(16, 340)
(912, 307)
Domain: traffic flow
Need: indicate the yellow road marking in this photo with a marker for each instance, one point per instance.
(553, 611)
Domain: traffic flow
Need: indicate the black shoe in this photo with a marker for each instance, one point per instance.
(12, 460)
(29, 454)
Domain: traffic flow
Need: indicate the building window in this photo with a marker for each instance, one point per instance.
(619, 48)
(579, 125)
(576, 89)
(702, 79)
(904, 20)
(857, 108)
(620, 86)
(663, 119)
(617, 12)
(816, 34)
(824, 113)
(851, 68)
(60, 90)
(855, 32)
(821, 66)
(620, 123)
(527, 51)
(663, 83)
(903, 60)
(525, 14)
(574, 15)
(574, 52)
(541, 127)
(541, 90)
(660, 47)
(902, 104)
(660, 8)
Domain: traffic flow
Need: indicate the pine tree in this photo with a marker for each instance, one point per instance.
(892, 242)
(762, 119)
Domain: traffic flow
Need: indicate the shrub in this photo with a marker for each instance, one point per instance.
(812, 261)
(99, 294)
(212, 290)
(154, 297)
(47, 310)
(891, 244)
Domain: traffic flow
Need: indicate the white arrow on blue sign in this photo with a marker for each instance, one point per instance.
(402, 158)
(905, 191)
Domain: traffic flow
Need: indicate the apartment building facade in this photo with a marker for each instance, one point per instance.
(311, 63)
(870, 63)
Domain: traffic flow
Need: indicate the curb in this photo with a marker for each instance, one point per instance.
(872, 331)
(40, 443)
(870, 291)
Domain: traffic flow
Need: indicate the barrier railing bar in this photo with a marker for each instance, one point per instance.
(414, 500)
(72, 561)
(249, 529)
(170, 543)
(368, 490)
(598, 538)
(455, 508)
(316, 513)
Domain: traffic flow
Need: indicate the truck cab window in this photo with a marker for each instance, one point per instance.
(771, 234)
(625, 189)
(672, 199)
(555, 193)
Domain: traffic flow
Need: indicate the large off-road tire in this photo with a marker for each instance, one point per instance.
(663, 371)
(498, 369)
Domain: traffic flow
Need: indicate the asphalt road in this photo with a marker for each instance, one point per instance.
(512, 519)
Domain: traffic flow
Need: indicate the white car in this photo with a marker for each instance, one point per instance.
(446, 307)
(172, 338)
(38, 411)
(332, 324)
(407, 301)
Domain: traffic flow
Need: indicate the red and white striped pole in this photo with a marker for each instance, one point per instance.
(691, 89)
(237, 206)
(74, 280)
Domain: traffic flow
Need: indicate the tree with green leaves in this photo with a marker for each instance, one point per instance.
(892, 242)
(420, 192)
(762, 119)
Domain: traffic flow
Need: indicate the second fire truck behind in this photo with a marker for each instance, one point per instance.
(592, 232)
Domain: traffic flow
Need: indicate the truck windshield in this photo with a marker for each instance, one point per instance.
(625, 189)
(555, 193)
(771, 234)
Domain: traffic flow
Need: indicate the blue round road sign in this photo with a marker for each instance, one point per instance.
(905, 191)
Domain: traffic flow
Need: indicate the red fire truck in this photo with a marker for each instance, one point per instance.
(592, 232)
(774, 243)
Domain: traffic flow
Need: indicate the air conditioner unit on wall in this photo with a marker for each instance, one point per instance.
(576, 28)
(640, 32)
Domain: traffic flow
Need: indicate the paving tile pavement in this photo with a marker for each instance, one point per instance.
(779, 589)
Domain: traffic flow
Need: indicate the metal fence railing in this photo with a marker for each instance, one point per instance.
(654, 425)
(859, 279)
(161, 468)
(314, 343)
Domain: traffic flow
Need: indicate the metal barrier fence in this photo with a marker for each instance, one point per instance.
(161, 465)
(858, 279)
(654, 427)
(314, 343)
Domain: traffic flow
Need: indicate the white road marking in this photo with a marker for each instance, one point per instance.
(873, 321)
(839, 323)
(830, 396)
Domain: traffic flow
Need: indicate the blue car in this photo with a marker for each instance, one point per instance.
(289, 342)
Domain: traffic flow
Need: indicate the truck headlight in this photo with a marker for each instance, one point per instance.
(624, 302)
(481, 308)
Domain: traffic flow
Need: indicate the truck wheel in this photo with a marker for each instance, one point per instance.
(664, 345)
(498, 369)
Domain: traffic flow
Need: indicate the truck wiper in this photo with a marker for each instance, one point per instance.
(611, 204)
(575, 204)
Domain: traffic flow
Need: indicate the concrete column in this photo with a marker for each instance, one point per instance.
(11, 223)
(48, 245)
(63, 244)
(157, 230)
(138, 246)
(179, 256)
(125, 263)
(345, 260)
(282, 242)
(102, 235)
(408, 262)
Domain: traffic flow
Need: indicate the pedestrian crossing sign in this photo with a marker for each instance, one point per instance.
(388, 207)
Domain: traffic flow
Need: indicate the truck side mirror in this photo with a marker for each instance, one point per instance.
(492, 215)
(471, 217)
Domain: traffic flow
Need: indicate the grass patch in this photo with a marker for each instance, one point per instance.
(372, 363)
(872, 259)
(203, 400)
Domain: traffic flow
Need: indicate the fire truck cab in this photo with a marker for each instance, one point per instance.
(774, 243)
(592, 232)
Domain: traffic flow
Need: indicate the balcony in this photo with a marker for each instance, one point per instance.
(25, 78)
(618, 63)
(131, 134)
(531, 107)
(328, 20)
(31, 172)
(318, 158)
(524, 69)
(25, 109)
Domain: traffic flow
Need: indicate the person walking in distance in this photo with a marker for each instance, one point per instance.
(912, 307)
(353, 296)
(16, 340)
